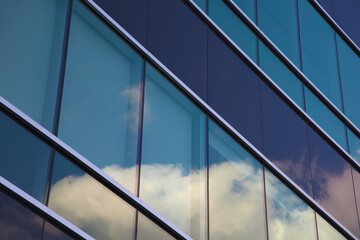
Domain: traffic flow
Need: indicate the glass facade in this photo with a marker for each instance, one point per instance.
(142, 120)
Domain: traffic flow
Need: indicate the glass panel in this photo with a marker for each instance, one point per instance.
(278, 20)
(248, 6)
(285, 138)
(326, 231)
(172, 168)
(233, 90)
(148, 230)
(74, 192)
(201, 4)
(236, 190)
(350, 72)
(53, 233)
(101, 88)
(281, 75)
(354, 145)
(131, 15)
(24, 159)
(328, 6)
(319, 52)
(288, 216)
(29, 70)
(325, 118)
(332, 182)
(233, 27)
(177, 37)
(356, 180)
(18, 222)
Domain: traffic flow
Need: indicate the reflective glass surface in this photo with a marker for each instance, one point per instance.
(332, 182)
(201, 4)
(101, 96)
(354, 145)
(131, 15)
(278, 20)
(172, 166)
(248, 6)
(350, 75)
(233, 90)
(233, 27)
(29, 70)
(281, 75)
(24, 159)
(356, 179)
(326, 231)
(319, 52)
(53, 233)
(148, 230)
(288, 216)
(285, 138)
(87, 204)
(236, 190)
(328, 6)
(325, 118)
(177, 37)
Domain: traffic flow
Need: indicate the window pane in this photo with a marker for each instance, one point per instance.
(131, 15)
(29, 70)
(354, 145)
(285, 138)
(234, 90)
(288, 216)
(233, 27)
(326, 231)
(332, 182)
(100, 107)
(325, 118)
(201, 4)
(248, 6)
(177, 37)
(281, 75)
(319, 52)
(278, 20)
(350, 72)
(53, 233)
(88, 204)
(24, 159)
(148, 230)
(172, 167)
(328, 6)
(236, 190)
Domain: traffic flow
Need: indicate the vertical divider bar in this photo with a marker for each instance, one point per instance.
(265, 205)
(207, 166)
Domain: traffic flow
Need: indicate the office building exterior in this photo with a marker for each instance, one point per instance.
(179, 119)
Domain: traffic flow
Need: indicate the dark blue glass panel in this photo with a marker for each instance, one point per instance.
(248, 6)
(18, 222)
(177, 37)
(332, 182)
(328, 6)
(319, 55)
(281, 75)
(346, 14)
(278, 20)
(233, 90)
(285, 138)
(31, 40)
(131, 15)
(24, 159)
(233, 27)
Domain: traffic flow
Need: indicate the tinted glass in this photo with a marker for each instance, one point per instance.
(177, 37)
(24, 158)
(234, 90)
(326, 231)
(354, 145)
(346, 14)
(281, 75)
(332, 182)
(30, 46)
(131, 15)
(248, 6)
(87, 204)
(350, 73)
(148, 230)
(236, 199)
(288, 216)
(319, 52)
(172, 167)
(18, 222)
(101, 88)
(356, 179)
(53, 233)
(233, 27)
(328, 6)
(325, 118)
(201, 4)
(278, 20)
(285, 138)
